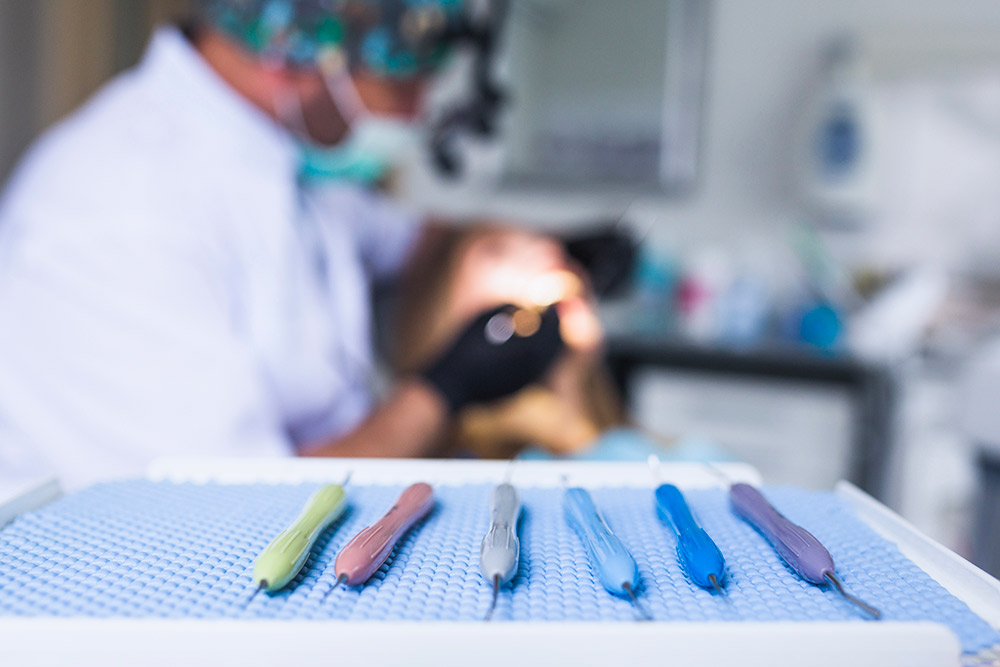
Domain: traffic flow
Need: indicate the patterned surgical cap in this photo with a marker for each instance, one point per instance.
(392, 38)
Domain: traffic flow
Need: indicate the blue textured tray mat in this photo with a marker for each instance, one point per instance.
(145, 549)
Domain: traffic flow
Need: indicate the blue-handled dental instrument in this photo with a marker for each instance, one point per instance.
(697, 553)
(612, 561)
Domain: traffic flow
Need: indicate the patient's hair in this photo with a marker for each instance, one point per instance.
(565, 413)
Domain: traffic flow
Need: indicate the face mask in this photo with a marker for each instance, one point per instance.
(372, 146)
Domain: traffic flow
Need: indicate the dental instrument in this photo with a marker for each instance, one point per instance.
(282, 559)
(498, 554)
(366, 552)
(697, 553)
(799, 548)
(612, 561)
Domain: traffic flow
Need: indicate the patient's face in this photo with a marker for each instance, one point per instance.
(503, 265)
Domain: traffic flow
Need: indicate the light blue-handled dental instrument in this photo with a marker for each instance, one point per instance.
(612, 561)
(697, 553)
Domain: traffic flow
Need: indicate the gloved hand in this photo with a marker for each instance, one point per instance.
(500, 352)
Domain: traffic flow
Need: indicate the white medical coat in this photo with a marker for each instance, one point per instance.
(166, 287)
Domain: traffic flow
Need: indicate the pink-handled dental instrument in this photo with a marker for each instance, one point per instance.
(364, 554)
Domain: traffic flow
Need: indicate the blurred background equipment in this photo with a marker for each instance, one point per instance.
(838, 161)
(607, 252)
(605, 95)
(478, 114)
(981, 424)
(808, 265)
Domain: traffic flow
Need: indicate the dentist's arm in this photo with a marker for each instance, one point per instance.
(494, 356)
(408, 424)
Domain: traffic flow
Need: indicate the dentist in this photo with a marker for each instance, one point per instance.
(185, 261)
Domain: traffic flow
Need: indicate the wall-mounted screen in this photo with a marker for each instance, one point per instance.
(604, 94)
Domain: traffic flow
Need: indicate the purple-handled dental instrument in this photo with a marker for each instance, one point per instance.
(799, 548)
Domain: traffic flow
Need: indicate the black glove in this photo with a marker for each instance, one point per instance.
(499, 353)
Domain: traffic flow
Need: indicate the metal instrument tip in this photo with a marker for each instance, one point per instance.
(644, 614)
(716, 585)
(861, 604)
(341, 579)
(260, 587)
(496, 590)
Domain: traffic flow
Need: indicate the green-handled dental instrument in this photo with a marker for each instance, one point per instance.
(282, 559)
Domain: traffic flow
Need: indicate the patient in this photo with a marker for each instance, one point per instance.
(574, 403)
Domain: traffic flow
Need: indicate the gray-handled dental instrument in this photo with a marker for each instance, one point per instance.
(500, 550)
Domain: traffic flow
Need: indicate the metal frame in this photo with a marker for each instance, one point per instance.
(687, 38)
(873, 388)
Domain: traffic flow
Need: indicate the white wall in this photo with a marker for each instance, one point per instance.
(763, 56)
